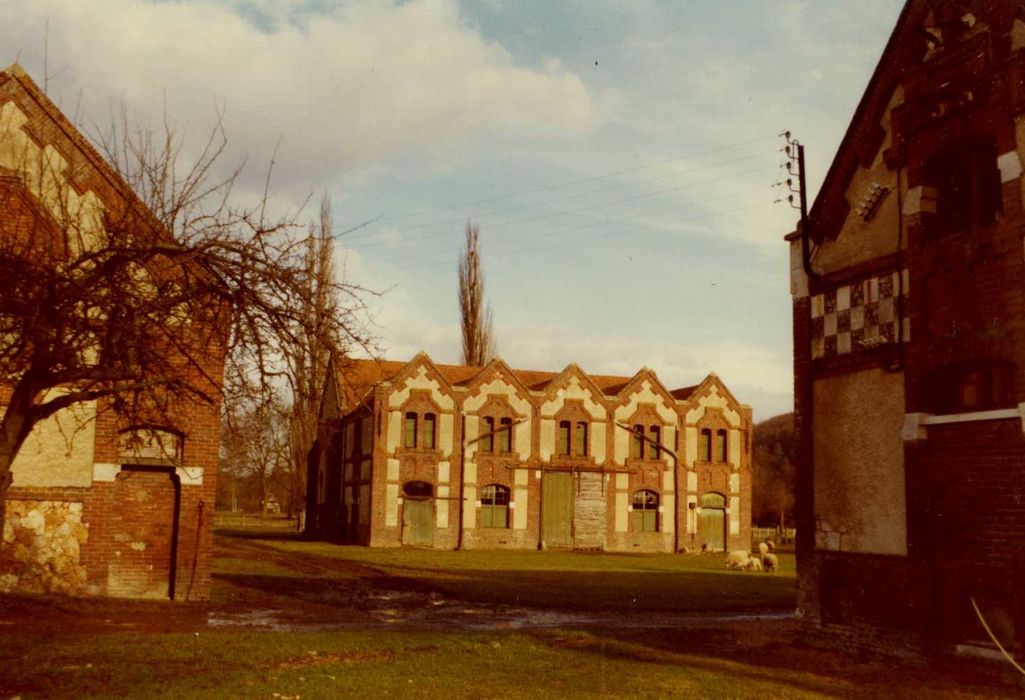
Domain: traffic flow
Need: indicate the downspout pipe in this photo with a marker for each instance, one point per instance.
(805, 226)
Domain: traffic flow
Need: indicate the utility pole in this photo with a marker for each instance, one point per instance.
(793, 151)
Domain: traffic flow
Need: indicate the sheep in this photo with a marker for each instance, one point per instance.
(770, 562)
(754, 564)
(763, 548)
(737, 559)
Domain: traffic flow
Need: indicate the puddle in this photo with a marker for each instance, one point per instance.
(436, 613)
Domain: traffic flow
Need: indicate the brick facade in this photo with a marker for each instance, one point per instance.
(413, 453)
(918, 512)
(88, 513)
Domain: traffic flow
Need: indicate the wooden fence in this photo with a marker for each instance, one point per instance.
(774, 534)
(240, 520)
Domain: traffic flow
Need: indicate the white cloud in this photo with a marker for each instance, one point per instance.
(346, 91)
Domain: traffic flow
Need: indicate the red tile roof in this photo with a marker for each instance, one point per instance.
(357, 377)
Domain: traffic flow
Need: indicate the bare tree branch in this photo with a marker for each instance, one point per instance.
(478, 338)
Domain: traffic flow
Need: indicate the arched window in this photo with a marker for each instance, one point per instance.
(487, 441)
(563, 442)
(645, 511)
(494, 506)
(417, 490)
(713, 500)
(720, 446)
(409, 439)
(430, 425)
(637, 442)
(705, 448)
(580, 439)
(505, 435)
(655, 434)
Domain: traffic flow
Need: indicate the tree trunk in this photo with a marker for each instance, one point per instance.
(14, 428)
(265, 490)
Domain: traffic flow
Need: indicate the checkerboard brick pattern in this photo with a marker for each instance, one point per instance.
(860, 316)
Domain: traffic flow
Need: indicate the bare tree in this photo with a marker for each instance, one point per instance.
(254, 446)
(138, 303)
(308, 357)
(478, 338)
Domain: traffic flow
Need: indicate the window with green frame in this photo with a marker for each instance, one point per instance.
(644, 516)
(409, 437)
(505, 435)
(494, 506)
(705, 448)
(580, 439)
(430, 424)
(655, 437)
(562, 448)
(720, 445)
(637, 442)
(487, 441)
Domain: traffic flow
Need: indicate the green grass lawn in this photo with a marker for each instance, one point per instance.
(574, 580)
(544, 664)
(99, 648)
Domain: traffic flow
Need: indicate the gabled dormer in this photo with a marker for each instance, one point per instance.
(717, 426)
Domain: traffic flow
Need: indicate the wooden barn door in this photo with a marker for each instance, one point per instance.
(418, 514)
(713, 522)
(558, 509)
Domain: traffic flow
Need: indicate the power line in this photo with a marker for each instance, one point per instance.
(564, 212)
(587, 193)
(578, 181)
(605, 222)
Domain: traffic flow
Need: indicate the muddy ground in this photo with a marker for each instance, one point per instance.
(324, 593)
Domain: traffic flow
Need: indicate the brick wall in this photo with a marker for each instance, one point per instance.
(964, 481)
(136, 507)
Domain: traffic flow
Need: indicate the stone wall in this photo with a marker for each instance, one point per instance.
(42, 543)
(589, 512)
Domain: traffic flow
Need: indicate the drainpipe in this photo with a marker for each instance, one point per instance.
(805, 227)
(676, 481)
(462, 479)
(463, 444)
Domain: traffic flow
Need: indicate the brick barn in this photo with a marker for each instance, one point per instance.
(96, 506)
(491, 457)
(909, 346)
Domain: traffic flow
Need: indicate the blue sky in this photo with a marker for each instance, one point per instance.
(618, 157)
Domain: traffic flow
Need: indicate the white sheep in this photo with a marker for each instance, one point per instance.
(770, 562)
(763, 548)
(754, 564)
(737, 559)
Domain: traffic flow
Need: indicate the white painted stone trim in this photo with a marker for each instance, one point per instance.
(190, 476)
(913, 428)
(920, 199)
(916, 424)
(1010, 166)
(105, 471)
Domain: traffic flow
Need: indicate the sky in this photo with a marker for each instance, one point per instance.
(620, 158)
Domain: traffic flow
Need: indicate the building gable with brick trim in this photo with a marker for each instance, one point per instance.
(448, 456)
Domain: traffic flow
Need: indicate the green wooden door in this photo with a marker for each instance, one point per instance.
(418, 522)
(713, 521)
(558, 509)
(713, 528)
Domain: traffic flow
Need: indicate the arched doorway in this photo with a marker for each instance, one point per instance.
(418, 514)
(713, 522)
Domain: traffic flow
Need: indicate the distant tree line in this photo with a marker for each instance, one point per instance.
(774, 457)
